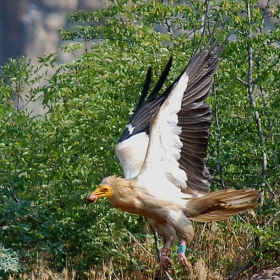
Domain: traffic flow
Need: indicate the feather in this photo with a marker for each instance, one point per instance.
(165, 144)
(191, 122)
(163, 152)
(131, 154)
(220, 205)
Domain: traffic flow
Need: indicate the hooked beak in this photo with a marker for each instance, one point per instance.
(92, 198)
(101, 191)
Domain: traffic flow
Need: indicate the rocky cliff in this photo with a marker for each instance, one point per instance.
(30, 27)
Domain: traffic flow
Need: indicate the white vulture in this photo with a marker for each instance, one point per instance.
(163, 152)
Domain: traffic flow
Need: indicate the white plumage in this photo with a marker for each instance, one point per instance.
(163, 151)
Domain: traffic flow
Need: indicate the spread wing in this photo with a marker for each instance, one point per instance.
(176, 138)
(132, 146)
(161, 164)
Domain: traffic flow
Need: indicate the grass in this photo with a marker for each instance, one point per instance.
(218, 250)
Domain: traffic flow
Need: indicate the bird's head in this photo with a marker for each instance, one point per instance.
(112, 187)
(101, 191)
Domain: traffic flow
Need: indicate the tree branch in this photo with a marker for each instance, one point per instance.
(158, 252)
(13, 194)
(138, 243)
(250, 263)
(111, 233)
(123, 22)
(241, 81)
(219, 140)
(250, 84)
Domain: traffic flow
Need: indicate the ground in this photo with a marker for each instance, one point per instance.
(270, 274)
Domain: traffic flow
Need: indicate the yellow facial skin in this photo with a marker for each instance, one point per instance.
(101, 191)
(104, 191)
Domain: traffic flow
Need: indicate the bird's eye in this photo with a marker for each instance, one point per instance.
(105, 189)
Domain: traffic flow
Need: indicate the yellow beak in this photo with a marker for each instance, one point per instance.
(92, 198)
(101, 191)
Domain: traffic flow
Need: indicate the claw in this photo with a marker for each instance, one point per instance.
(182, 259)
(181, 252)
(165, 261)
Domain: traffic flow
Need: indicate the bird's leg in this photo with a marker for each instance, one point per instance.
(165, 261)
(181, 252)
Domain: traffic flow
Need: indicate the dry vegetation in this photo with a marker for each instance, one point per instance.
(218, 252)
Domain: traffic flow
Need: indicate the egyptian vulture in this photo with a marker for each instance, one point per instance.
(163, 151)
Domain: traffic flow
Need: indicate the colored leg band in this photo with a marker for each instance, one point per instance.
(164, 252)
(182, 248)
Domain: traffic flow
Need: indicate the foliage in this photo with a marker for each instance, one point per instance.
(50, 162)
(8, 260)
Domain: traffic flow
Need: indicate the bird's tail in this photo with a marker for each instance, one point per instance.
(220, 205)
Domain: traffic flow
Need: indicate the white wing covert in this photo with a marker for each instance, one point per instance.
(131, 154)
(132, 146)
(173, 127)
(165, 145)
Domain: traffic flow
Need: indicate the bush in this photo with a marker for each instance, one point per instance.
(51, 162)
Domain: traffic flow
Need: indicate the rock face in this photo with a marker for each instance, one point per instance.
(271, 274)
(11, 28)
(30, 27)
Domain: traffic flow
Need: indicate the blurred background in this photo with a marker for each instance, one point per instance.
(30, 27)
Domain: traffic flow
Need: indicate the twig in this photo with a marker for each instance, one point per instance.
(250, 92)
(111, 233)
(264, 167)
(168, 26)
(85, 43)
(270, 188)
(265, 104)
(157, 243)
(116, 276)
(266, 71)
(244, 268)
(255, 258)
(234, 273)
(138, 243)
(123, 22)
(250, 75)
(271, 219)
(219, 140)
(158, 253)
(241, 81)
(13, 194)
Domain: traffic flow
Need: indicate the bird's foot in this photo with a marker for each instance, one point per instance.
(182, 259)
(181, 254)
(165, 261)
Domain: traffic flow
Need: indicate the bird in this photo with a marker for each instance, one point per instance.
(163, 153)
